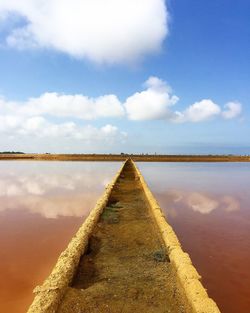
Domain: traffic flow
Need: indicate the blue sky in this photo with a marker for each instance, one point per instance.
(193, 55)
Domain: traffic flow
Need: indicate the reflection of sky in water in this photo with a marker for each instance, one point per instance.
(200, 202)
(208, 205)
(42, 205)
(201, 187)
(53, 189)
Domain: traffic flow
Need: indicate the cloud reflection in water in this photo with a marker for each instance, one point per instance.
(54, 191)
(200, 187)
(201, 202)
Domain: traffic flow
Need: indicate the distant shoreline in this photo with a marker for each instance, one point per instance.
(122, 157)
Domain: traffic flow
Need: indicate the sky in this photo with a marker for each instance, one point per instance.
(112, 76)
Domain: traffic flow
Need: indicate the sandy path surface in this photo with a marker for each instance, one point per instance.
(126, 267)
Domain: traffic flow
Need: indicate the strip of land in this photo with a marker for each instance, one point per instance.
(125, 258)
(126, 267)
(123, 157)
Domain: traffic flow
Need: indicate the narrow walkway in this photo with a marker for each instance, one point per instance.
(126, 268)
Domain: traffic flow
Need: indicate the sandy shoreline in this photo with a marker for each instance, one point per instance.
(123, 157)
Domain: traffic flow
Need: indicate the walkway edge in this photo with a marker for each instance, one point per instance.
(188, 276)
(49, 295)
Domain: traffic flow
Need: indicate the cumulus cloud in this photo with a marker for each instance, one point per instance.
(198, 112)
(156, 102)
(38, 117)
(92, 29)
(39, 127)
(152, 103)
(60, 105)
(232, 110)
(61, 115)
(74, 106)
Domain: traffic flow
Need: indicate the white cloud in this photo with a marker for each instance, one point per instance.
(59, 105)
(157, 100)
(54, 115)
(40, 127)
(199, 111)
(35, 118)
(9, 122)
(77, 106)
(93, 29)
(232, 110)
(152, 103)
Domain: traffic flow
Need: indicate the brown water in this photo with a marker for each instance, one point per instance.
(208, 205)
(42, 204)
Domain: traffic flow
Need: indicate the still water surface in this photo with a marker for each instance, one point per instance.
(208, 205)
(42, 204)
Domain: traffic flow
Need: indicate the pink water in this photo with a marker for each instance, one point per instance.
(208, 206)
(42, 204)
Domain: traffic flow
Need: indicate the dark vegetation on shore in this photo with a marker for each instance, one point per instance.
(124, 156)
(12, 152)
